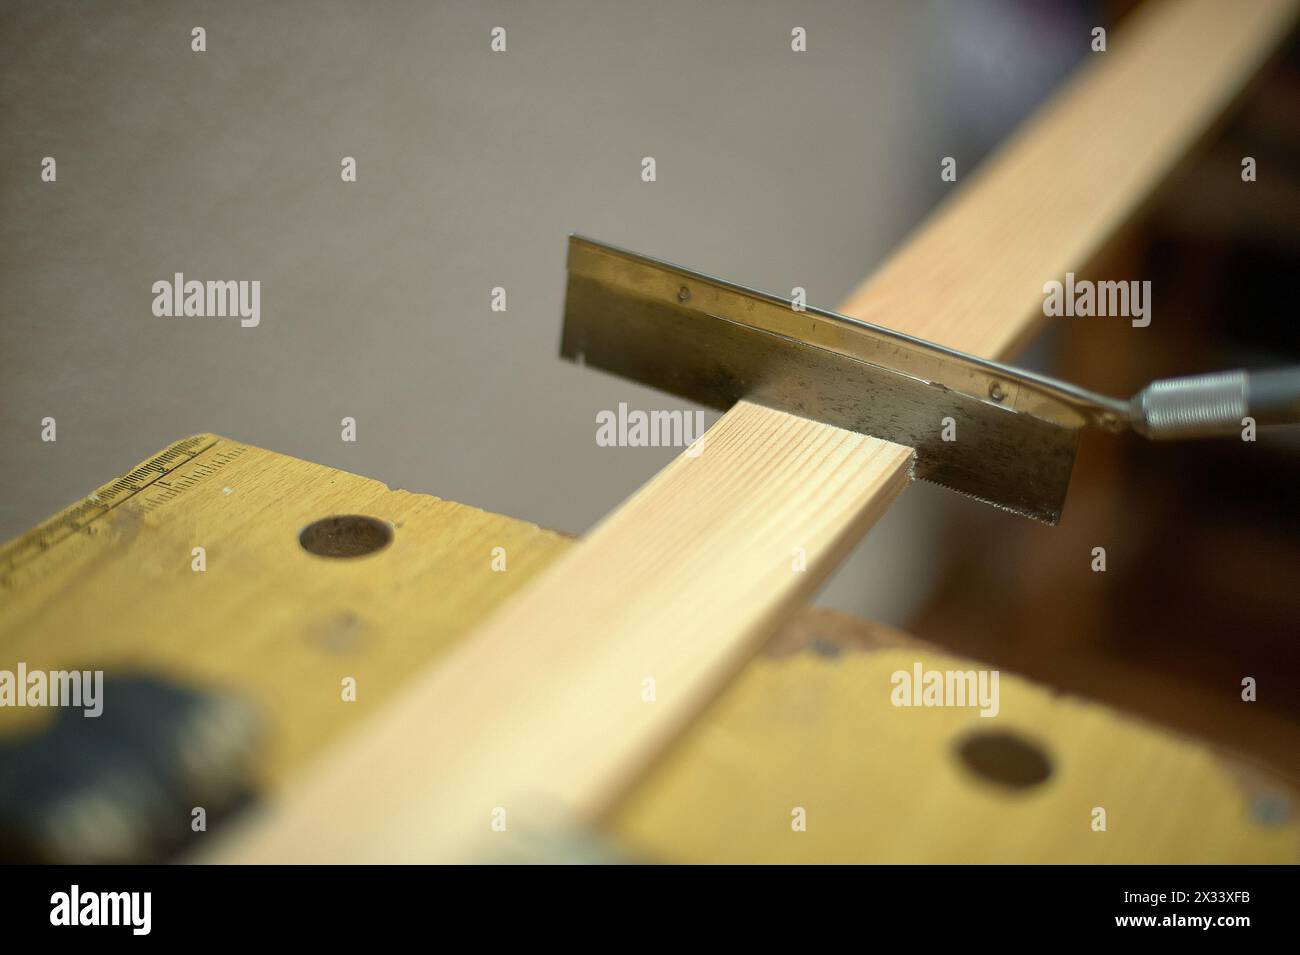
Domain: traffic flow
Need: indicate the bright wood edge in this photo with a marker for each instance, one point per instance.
(542, 712)
(538, 695)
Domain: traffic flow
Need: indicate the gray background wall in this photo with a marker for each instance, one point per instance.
(775, 169)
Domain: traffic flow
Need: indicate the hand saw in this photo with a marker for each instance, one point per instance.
(997, 433)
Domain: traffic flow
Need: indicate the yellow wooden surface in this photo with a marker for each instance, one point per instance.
(809, 728)
(266, 619)
(881, 784)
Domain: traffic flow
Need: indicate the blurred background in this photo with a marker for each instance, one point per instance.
(774, 169)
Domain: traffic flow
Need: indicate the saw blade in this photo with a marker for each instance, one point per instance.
(987, 430)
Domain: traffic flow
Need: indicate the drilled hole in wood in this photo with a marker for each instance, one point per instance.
(1005, 758)
(345, 535)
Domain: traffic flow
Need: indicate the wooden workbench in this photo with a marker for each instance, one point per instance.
(809, 724)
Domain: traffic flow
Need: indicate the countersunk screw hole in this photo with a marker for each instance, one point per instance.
(345, 535)
(1005, 758)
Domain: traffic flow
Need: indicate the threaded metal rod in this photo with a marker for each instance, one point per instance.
(1198, 406)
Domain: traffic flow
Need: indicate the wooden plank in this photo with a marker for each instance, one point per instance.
(971, 279)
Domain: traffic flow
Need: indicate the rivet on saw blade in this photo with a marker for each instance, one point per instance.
(683, 295)
(996, 392)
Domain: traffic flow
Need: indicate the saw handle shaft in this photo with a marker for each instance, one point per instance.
(1202, 406)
